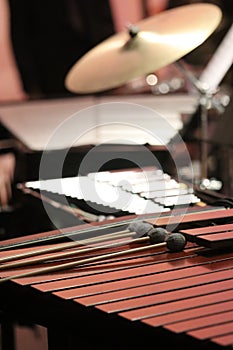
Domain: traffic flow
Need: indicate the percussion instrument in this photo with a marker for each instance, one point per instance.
(119, 294)
(116, 192)
(181, 298)
(147, 46)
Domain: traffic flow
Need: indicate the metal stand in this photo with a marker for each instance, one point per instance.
(207, 102)
(204, 150)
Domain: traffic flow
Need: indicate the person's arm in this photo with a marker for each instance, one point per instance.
(11, 86)
(125, 12)
(128, 11)
(156, 6)
(7, 168)
(11, 89)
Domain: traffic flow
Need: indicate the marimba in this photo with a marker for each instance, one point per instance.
(182, 298)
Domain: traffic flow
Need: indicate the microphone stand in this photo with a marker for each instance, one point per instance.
(206, 102)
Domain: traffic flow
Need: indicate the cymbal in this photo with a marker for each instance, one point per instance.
(144, 48)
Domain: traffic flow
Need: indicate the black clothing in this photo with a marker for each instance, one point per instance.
(50, 36)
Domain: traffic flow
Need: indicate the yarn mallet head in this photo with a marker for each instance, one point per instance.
(157, 237)
(174, 241)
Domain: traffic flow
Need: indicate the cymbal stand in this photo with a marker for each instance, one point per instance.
(206, 102)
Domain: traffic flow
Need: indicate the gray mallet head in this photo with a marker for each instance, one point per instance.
(140, 227)
(158, 235)
(175, 242)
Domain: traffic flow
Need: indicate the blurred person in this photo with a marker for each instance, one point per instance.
(11, 87)
(128, 11)
(7, 168)
(11, 90)
(50, 36)
(39, 42)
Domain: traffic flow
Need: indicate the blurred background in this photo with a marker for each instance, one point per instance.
(47, 38)
(40, 41)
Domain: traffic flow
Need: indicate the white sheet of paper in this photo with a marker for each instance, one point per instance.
(70, 122)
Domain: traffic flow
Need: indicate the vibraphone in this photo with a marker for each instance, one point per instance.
(120, 192)
(151, 297)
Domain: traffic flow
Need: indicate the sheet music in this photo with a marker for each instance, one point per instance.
(35, 122)
(219, 64)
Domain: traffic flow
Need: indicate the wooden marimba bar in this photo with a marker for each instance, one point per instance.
(153, 297)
